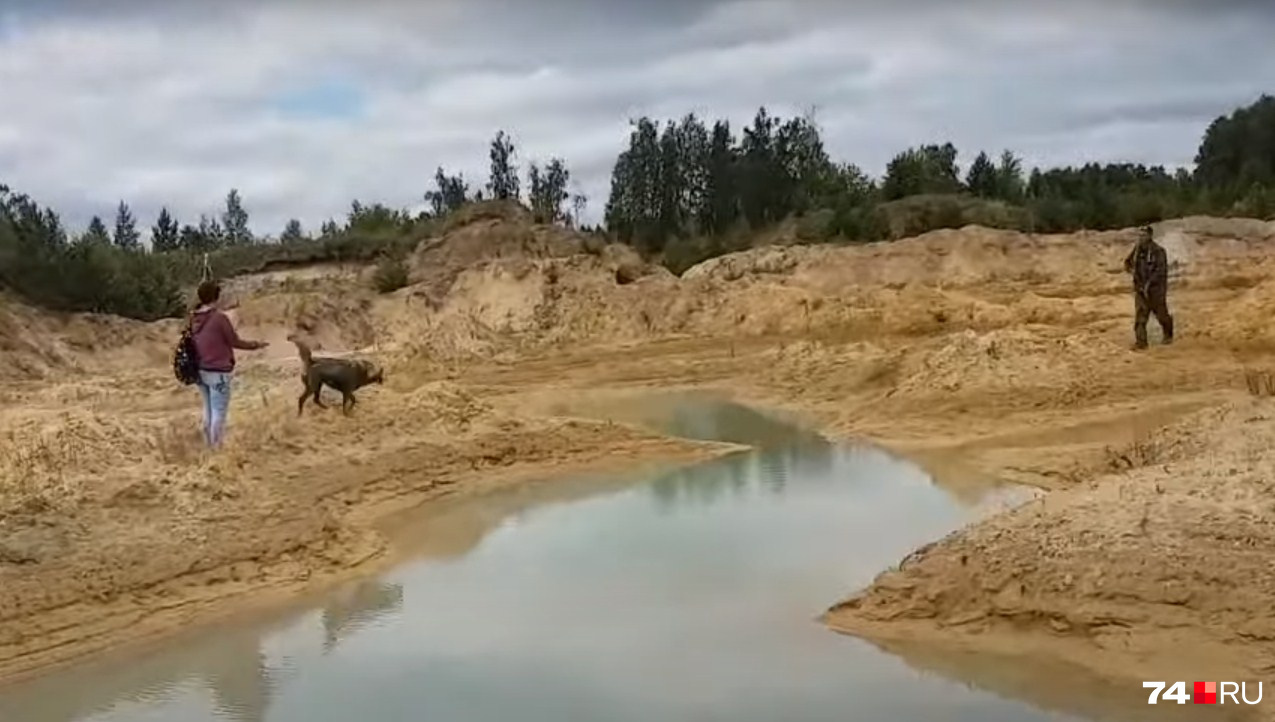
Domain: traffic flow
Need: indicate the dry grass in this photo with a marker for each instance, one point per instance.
(56, 462)
(1138, 454)
(1260, 382)
(179, 442)
(37, 471)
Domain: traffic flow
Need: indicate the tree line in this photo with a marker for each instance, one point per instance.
(110, 270)
(688, 189)
(681, 191)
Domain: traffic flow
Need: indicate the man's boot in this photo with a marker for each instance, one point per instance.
(1139, 337)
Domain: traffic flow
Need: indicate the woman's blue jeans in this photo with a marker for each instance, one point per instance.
(214, 386)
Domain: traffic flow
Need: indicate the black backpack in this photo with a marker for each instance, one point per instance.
(186, 358)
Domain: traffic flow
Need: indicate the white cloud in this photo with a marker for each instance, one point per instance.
(170, 107)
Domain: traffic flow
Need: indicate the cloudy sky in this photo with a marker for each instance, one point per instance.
(304, 106)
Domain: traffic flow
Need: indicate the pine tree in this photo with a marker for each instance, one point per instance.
(374, 218)
(96, 233)
(693, 169)
(633, 207)
(1235, 161)
(211, 234)
(579, 201)
(548, 191)
(126, 235)
(535, 193)
(1009, 178)
(235, 220)
(190, 239)
(982, 178)
(917, 171)
(757, 177)
(165, 234)
(292, 232)
(720, 205)
(450, 193)
(671, 183)
(503, 184)
(806, 172)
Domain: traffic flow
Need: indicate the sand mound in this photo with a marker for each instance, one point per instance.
(1248, 321)
(521, 303)
(447, 404)
(1006, 358)
(955, 258)
(486, 232)
(757, 261)
(583, 297)
(1171, 553)
(333, 320)
(949, 257)
(36, 344)
(494, 284)
(62, 462)
(1206, 228)
(834, 369)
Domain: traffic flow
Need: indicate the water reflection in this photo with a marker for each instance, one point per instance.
(784, 451)
(770, 471)
(692, 598)
(240, 681)
(1070, 690)
(366, 604)
(234, 671)
(725, 421)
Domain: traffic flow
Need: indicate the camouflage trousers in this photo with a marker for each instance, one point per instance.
(1154, 301)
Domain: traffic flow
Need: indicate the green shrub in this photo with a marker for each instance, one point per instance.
(390, 274)
(817, 226)
(915, 215)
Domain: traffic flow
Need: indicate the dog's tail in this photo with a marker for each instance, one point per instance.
(303, 350)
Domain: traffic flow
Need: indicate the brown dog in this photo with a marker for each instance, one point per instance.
(344, 375)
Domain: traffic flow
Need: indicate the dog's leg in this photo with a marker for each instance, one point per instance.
(318, 388)
(347, 402)
(305, 392)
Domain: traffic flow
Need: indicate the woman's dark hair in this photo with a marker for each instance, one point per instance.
(209, 291)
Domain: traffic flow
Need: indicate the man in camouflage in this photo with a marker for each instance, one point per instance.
(1149, 265)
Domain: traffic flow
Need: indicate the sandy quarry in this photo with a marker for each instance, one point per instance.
(979, 353)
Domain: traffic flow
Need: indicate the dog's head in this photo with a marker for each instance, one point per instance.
(373, 373)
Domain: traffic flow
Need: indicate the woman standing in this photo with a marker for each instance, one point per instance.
(215, 342)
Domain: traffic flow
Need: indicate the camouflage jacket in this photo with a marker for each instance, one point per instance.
(1149, 265)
